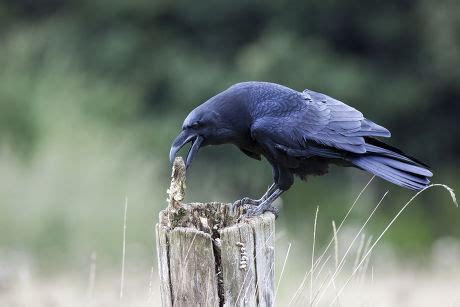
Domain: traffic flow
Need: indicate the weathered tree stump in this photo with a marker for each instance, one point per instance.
(207, 258)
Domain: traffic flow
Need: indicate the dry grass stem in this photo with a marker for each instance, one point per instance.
(92, 276)
(313, 254)
(336, 245)
(452, 194)
(308, 272)
(342, 261)
(282, 270)
(123, 251)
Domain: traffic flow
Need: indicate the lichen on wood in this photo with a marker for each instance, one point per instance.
(176, 193)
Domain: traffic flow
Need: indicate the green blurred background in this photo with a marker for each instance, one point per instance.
(92, 94)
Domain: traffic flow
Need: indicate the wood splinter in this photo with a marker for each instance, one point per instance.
(207, 258)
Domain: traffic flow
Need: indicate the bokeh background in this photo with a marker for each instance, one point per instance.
(92, 94)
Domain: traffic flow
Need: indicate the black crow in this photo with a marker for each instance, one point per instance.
(299, 133)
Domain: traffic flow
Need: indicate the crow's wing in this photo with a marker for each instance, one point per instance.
(330, 122)
(321, 122)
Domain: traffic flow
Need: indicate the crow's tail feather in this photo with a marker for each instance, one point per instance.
(393, 166)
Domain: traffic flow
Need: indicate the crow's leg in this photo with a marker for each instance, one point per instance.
(254, 202)
(276, 172)
(271, 189)
(265, 205)
(285, 181)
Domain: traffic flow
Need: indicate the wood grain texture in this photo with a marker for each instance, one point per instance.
(192, 268)
(238, 265)
(263, 228)
(163, 264)
(207, 258)
(239, 261)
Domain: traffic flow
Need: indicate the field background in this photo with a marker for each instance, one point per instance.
(92, 94)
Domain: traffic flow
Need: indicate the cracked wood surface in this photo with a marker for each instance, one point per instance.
(206, 258)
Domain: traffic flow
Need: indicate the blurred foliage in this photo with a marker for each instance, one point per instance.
(93, 92)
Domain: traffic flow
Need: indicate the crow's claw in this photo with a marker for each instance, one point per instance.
(237, 204)
(253, 207)
(244, 201)
(249, 201)
(274, 210)
(258, 210)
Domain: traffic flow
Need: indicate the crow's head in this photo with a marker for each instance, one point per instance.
(222, 119)
(201, 127)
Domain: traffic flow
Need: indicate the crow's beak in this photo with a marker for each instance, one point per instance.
(183, 138)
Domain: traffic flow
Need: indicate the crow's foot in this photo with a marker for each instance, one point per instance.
(274, 210)
(265, 205)
(258, 210)
(245, 203)
(253, 207)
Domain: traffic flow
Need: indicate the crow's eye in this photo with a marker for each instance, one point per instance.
(195, 125)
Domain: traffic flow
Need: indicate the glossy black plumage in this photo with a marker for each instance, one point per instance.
(299, 133)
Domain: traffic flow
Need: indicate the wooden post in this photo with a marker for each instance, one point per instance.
(207, 258)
